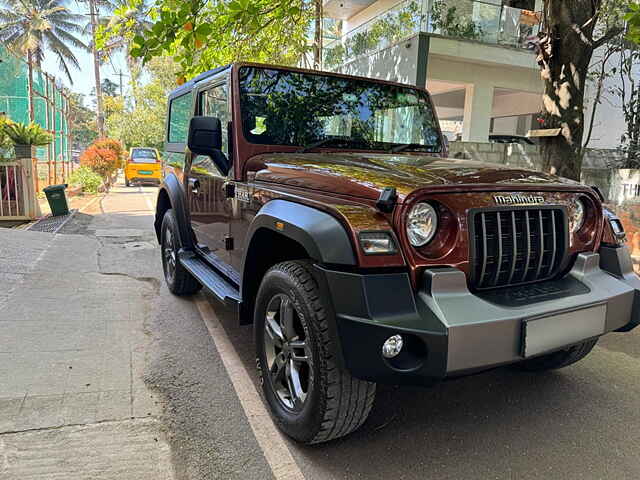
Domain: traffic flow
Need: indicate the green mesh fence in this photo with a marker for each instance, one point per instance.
(49, 104)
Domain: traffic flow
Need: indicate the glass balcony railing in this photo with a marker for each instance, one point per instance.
(465, 19)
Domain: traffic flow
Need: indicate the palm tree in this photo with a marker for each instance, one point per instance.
(33, 28)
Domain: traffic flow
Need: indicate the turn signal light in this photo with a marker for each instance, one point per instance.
(377, 243)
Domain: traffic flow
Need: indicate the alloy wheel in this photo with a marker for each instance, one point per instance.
(169, 254)
(288, 355)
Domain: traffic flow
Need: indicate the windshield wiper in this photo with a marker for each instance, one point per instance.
(319, 143)
(400, 148)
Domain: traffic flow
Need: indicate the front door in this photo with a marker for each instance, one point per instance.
(210, 210)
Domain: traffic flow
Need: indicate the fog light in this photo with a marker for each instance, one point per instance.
(392, 346)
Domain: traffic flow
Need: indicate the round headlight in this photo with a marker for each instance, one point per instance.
(422, 224)
(577, 218)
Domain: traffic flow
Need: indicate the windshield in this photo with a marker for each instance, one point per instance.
(141, 155)
(281, 107)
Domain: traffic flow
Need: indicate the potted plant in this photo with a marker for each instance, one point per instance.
(26, 138)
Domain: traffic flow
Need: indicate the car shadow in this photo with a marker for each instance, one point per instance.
(502, 423)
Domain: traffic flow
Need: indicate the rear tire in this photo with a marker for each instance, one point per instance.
(126, 182)
(310, 397)
(560, 359)
(179, 280)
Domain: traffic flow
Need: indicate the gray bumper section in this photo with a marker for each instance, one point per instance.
(483, 334)
(465, 331)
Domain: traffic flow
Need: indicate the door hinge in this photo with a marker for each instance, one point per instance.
(228, 242)
(229, 190)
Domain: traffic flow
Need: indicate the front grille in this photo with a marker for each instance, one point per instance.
(515, 246)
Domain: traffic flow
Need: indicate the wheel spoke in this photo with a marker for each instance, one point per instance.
(286, 318)
(273, 330)
(295, 386)
(278, 370)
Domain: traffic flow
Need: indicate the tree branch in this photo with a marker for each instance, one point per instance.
(610, 35)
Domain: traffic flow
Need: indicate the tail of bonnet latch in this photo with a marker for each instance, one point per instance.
(387, 200)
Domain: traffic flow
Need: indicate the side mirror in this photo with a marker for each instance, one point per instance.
(205, 135)
(205, 138)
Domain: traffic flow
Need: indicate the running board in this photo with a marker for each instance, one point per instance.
(210, 280)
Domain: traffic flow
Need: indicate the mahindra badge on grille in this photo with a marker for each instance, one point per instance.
(518, 199)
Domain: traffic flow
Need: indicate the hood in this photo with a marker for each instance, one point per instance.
(366, 175)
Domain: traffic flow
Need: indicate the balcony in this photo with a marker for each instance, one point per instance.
(462, 19)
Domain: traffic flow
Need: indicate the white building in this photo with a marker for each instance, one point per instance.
(472, 56)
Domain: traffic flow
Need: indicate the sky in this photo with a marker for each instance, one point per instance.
(83, 79)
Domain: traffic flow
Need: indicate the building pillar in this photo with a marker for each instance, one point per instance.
(478, 105)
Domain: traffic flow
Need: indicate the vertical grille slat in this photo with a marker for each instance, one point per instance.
(514, 258)
(528, 237)
(499, 257)
(541, 252)
(554, 239)
(484, 250)
(518, 245)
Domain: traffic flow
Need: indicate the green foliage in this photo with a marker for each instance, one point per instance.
(141, 123)
(82, 122)
(6, 145)
(449, 21)
(86, 178)
(633, 22)
(201, 35)
(30, 28)
(387, 29)
(23, 134)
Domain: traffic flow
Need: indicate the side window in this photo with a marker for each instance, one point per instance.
(215, 103)
(179, 116)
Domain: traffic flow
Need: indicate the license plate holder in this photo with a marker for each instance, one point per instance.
(544, 334)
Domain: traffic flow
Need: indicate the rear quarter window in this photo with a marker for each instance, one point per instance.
(180, 112)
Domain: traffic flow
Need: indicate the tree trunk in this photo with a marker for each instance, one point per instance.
(564, 60)
(32, 115)
(317, 44)
(96, 67)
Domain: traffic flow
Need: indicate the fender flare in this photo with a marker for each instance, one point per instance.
(175, 192)
(322, 235)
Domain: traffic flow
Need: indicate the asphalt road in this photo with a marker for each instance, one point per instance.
(582, 422)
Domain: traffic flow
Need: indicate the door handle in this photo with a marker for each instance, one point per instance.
(194, 185)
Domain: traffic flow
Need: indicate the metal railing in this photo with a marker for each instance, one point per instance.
(12, 203)
(464, 19)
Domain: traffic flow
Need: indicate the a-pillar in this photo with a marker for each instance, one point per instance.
(478, 105)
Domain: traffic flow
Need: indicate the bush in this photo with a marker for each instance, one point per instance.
(111, 144)
(86, 178)
(103, 161)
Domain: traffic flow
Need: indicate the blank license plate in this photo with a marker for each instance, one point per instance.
(549, 333)
(145, 172)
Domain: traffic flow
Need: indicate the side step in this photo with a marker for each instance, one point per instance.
(210, 280)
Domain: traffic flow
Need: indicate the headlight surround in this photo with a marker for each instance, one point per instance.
(422, 224)
(577, 216)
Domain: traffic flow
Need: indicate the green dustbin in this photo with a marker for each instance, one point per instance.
(57, 199)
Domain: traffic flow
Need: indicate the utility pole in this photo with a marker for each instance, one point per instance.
(93, 12)
(120, 75)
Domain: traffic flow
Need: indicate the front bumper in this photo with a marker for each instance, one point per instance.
(451, 331)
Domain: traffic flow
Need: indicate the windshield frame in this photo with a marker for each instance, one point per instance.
(253, 149)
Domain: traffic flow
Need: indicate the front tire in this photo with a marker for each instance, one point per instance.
(560, 359)
(179, 280)
(311, 399)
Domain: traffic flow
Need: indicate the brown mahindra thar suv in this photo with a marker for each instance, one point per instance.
(323, 210)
